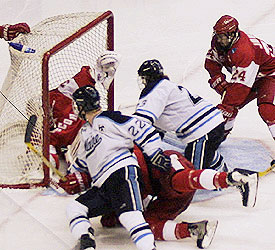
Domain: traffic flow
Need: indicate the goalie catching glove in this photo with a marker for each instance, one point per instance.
(106, 66)
(76, 182)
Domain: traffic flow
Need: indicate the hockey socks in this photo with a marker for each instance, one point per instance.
(139, 230)
(188, 180)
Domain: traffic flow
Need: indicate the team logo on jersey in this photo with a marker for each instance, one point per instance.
(91, 144)
(101, 128)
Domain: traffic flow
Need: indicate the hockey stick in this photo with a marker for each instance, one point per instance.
(268, 170)
(28, 134)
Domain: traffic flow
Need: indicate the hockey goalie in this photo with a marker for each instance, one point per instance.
(65, 124)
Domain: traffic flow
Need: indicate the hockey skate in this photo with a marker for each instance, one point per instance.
(203, 232)
(87, 241)
(247, 182)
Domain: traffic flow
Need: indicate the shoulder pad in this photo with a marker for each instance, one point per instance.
(116, 116)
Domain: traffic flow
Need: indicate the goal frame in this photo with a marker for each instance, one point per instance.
(106, 16)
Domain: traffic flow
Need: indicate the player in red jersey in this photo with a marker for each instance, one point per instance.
(169, 194)
(65, 124)
(251, 63)
(9, 32)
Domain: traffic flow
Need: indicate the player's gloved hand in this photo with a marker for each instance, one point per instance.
(9, 32)
(108, 62)
(161, 161)
(109, 220)
(76, 182)
(106, 66)
(219, 83)
(228, 111)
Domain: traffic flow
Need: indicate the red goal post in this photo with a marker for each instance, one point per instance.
(62, 44)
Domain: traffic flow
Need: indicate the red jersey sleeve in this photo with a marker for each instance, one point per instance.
(212, 67)
(213, 63)
(84, 77)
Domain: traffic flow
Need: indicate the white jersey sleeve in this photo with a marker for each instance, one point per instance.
(79, 164)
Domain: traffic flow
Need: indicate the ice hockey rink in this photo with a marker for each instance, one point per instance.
(178, 33)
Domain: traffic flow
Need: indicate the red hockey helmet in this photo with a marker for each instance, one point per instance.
(226, 24)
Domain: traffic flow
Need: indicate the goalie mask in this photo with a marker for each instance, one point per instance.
(86, 99)
(150, 71)
(226, 30)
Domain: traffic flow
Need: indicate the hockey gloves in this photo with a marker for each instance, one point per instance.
(218, 83)
(76, 182)
(9, 32)
(161, 161)
(228, 111)
(108, 62)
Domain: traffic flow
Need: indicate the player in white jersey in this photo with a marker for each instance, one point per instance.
(107, 140)
(171, 107)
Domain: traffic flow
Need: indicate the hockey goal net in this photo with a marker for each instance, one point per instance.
(62, 44)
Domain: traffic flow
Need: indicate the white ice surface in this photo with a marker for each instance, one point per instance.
(178, 33)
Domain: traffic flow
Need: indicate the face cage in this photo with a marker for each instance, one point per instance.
(79, 111)
(141, 80)
(108, 67)
(231, 36)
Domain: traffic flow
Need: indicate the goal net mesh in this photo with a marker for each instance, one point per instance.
(62, 44)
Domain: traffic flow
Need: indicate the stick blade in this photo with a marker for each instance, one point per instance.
(30, 127)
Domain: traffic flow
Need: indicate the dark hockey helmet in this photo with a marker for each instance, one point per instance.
(150, 71)
(86, 99)
(227, 31)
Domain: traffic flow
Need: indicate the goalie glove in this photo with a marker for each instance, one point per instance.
(218, 83)
(161, 161)
(9, 32)
(76, 182)
(106, 66)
